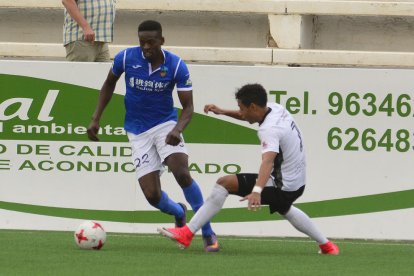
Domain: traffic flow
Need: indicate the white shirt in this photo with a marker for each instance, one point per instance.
(279, 133)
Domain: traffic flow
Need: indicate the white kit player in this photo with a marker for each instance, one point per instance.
(281, 177)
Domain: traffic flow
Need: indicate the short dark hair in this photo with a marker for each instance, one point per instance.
(252, 93)
(150, 25)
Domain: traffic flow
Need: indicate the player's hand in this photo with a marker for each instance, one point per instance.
(93, 131)
(173, 138)
(213, 108)
(253, 201)
(88, 34)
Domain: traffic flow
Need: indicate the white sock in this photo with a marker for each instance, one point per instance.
(212, 205)
(303, 223)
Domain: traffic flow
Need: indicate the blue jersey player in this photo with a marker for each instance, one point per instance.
(151, 121)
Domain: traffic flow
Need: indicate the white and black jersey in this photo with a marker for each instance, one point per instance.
(279, 133)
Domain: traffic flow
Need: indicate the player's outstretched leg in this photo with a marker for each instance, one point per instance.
(184, 235)
(303, 223)
(194, 196)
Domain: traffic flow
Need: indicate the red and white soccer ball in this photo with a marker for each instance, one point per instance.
(90, 235)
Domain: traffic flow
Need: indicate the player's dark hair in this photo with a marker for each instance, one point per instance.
(150, 25)
(252, 93)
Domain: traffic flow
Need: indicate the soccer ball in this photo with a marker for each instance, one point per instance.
(90, 235)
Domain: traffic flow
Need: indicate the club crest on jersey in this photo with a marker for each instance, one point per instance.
(164, 70)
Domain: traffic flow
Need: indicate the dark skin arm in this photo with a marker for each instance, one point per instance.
(105, 96)
(186, 100)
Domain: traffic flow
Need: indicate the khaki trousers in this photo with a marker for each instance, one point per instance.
(87, 51)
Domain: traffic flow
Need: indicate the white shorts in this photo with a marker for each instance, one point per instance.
(149, 149)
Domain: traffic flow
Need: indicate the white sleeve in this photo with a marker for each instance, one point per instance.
(269, 140)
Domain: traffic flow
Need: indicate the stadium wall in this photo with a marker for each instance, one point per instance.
(312, 32)
(334, 24)
(357, 126)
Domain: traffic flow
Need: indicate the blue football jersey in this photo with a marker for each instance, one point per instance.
(148, 98)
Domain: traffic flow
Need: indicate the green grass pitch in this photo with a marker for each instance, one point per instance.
(55, 253)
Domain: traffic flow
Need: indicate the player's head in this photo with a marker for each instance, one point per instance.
(252, 94)
(150, 39)
(252, 101)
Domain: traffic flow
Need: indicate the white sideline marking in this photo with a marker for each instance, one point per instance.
(256, 239)
(394, 243)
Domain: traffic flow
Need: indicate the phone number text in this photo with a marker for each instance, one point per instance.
(352, 139)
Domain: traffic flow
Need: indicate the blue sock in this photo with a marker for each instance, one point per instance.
(193, 196)
(166, 205)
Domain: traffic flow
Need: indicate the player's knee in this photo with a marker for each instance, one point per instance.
(221, 181)
(225, 181)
